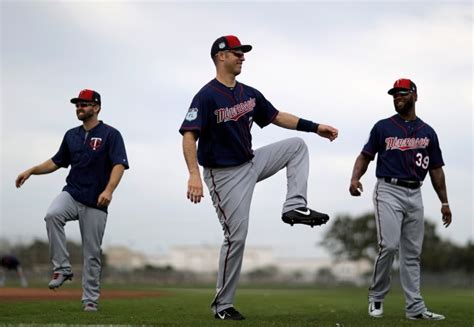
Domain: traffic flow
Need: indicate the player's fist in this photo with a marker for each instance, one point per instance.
(356, 188)
(327, 131)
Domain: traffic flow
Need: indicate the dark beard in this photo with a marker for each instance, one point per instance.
(86, 116)
(406, 107)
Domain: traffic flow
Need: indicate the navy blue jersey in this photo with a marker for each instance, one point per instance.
(222, 118)
(10, 262)
(92, 156)
(406, 149)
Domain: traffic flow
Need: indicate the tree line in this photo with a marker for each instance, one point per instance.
(348, 238)
(354, 238)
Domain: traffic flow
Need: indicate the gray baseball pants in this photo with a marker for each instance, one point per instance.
(231, 190)
(400, 227)
(92, 226)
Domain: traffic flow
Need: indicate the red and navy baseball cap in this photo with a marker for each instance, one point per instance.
(228, 42)
(402, 84)
(87, 95)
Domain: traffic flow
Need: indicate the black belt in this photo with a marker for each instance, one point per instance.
(404, 183)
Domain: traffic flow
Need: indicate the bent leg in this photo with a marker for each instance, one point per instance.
(62, 209)
(290, 153)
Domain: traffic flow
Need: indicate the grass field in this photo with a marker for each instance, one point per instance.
(262, 307)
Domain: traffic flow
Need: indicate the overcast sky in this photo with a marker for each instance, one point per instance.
(329, 62)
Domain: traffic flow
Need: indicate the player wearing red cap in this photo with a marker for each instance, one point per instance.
(407, 149)
(96, 153)
(221, 116)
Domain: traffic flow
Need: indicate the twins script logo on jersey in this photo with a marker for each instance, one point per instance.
(95, 143)
(407, 143)
(235, 112)
(192, 114)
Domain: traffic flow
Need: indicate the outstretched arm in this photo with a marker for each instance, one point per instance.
(360, 167)
(45, 168)
(439, 185)
(195, 190)
(289, 121)
(115, 176)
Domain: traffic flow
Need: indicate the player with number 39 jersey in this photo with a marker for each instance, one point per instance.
(407, 149)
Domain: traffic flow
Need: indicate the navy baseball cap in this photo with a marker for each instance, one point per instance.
(402, 84)
(87, 95)
(228, 42)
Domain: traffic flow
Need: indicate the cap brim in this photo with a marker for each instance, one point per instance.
(76, 100)
(244, 48)
(394, 90)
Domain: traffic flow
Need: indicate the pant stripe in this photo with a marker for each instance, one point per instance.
(215, 302)
(379, 229)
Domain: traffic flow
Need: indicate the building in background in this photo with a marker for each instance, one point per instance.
(123, 258)
(202, 259)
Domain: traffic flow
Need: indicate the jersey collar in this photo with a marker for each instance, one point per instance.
(82, 130)
(222, 86)
(400, 119)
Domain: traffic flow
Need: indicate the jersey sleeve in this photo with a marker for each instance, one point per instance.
(373, 143)
(63, 157)
(195, 119)
(117, 152)
(264, 112)
(434, 152)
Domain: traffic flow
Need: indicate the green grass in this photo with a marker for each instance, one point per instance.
(262, 307)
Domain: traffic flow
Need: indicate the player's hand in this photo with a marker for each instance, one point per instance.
(328, 132)
(356, 188)
(104, 199)
(22, 178)
(195, 190)
(446, 215)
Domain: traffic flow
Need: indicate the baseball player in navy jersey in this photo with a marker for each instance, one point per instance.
(221, 116)
(96, 153)
(407, 149)
(10, 262)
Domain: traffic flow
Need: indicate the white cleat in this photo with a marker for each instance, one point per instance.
(427, 315)
(90, 307)
(376, 309)
(59, 278)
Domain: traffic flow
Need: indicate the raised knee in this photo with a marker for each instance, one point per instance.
(53, 216)
(299, 142)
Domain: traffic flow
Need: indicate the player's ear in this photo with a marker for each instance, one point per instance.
(415, 96)
(221, 55)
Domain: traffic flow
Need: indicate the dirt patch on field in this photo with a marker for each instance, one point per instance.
(7, 294)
